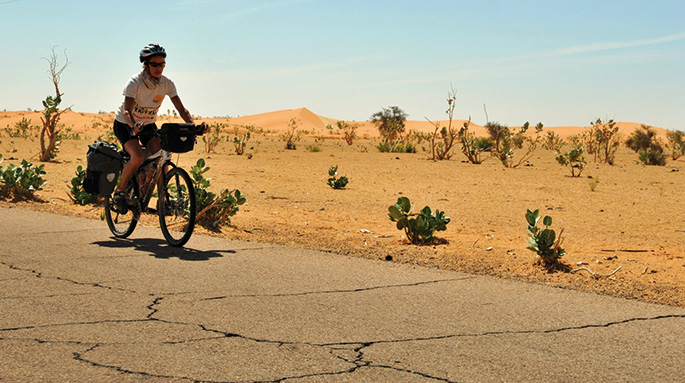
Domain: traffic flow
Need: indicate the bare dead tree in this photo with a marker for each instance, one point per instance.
(49, 144)
(443, 139)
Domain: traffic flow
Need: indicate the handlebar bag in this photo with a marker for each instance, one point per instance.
(177, 138)
(104, 166)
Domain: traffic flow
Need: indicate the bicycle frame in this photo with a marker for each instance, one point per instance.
(156, 181)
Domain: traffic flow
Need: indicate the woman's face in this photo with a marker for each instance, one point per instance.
(156, 66)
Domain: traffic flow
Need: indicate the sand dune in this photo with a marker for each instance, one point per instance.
(277, 122)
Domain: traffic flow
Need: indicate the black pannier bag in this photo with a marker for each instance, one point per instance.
(177, 138)
(104, 166)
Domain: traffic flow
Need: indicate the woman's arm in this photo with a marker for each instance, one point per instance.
(128, 113)
(182, 111)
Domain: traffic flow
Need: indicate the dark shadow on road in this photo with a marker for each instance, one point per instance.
(160, 249)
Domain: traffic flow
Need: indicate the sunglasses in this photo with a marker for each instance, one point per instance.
(156, 65)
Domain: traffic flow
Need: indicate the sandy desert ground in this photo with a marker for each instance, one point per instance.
(633, 219)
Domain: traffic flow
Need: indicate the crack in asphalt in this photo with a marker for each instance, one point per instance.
(357, 360)
(340, 291)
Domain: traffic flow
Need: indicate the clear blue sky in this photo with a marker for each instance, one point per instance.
(557, 62)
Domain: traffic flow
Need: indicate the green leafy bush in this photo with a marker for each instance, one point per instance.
(652, 157)
(543, 242)
(418, 230)
(76, 192)
(21, 182)
(213, 210)
(333, 181)
(574, 159)
(506, 142)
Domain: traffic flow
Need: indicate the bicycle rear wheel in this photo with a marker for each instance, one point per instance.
(122, 225)
(176, 207)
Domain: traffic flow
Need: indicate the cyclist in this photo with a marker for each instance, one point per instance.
(143, 95)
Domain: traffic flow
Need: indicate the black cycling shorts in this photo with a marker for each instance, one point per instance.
(124, 133)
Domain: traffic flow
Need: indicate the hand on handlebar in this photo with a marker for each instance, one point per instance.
(201, 128)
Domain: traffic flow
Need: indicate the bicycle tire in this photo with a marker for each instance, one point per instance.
(176, 207)
(122, 225)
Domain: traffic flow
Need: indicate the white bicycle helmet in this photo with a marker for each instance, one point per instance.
(151, 50)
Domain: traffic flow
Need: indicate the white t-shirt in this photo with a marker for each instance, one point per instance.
(146, 100)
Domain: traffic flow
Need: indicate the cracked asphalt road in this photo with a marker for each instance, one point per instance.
(79, 305)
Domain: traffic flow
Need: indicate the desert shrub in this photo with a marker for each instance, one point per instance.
(76, 192)
(603, 140)
(240, 140)
(648, 146)
(574, 160)
(21, 182)
(68, 133)
(397, 146)
(334, 181)
(213, 137)
(652, 157)
(642, 139)
(349, 131)
(22, 129)
(473, 147)
(552, 141)
(676, 143)
(316, 146)
(505, 142)
(419, 230)
(213, 210)
(543, 242)
(390, 122)
(291, 135)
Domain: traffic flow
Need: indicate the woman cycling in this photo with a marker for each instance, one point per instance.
(143, 96)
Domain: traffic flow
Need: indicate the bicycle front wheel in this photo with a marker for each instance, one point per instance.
(122, 225)
(176, 207)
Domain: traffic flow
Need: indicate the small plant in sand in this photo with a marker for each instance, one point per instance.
(76, 192)
(21, 182)
(334, 181)
(349, 130)
(574, 160)
(676, 143)
(544, 242)
(213, 137)
(505, 142)
(240, 140)
(418, 230)
(292, 134)
(213, 211)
